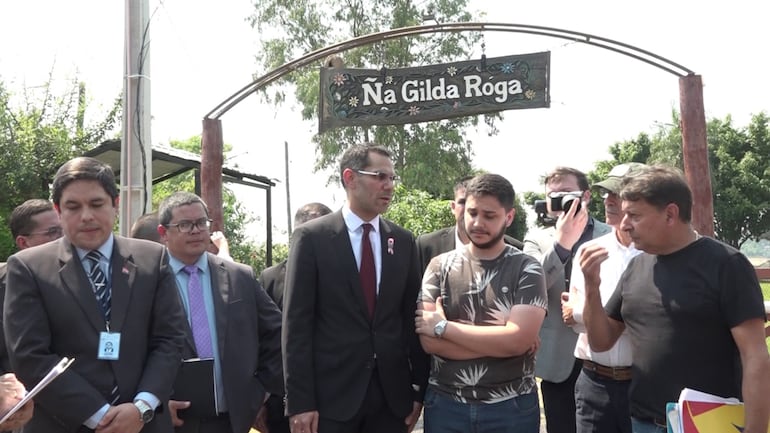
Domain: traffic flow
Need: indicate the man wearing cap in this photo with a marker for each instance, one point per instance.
(601, 390)
(692, 307)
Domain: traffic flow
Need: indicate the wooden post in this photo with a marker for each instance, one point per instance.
(211, 170)
(695, 153)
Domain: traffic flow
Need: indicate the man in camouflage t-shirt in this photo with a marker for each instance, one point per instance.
(479, 314)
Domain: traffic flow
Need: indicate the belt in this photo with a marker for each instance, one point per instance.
(614, 373)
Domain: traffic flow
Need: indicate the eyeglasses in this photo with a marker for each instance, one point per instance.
(187, 226)
(52, 232)
(382, 177)
(605, 193)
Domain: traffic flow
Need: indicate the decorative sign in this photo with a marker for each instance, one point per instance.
(362, 97)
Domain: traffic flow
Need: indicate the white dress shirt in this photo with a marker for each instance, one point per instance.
(620, 355)
(354, 223)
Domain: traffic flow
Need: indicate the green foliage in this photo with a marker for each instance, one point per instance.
(427, 156)
(236, 216)
(519, 227)
(739, 160)
(257, 256)
(36, 138)
(418, 212)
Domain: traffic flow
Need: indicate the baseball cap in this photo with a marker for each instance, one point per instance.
(614, 178)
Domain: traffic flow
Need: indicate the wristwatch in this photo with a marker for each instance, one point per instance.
(146, 412)
(439, 329)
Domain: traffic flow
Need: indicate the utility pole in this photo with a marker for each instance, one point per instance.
(288, 190)
(136, 146)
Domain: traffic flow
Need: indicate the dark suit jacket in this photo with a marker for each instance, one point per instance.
(329, 343)
(5, 362)
(431, 244)
(273, 279)
(51, 311)
(249, 338)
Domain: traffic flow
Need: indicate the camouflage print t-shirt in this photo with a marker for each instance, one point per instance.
(482, 292)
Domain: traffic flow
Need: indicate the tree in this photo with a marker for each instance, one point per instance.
(38, 137)
(739, 160)
(235, 216)
(427, 156)
(418, 212)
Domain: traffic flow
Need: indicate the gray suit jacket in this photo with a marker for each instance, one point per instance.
(51, 311)
(555, 358)
(249, 337)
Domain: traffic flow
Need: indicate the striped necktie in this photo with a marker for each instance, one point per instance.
(100, 284)
(103, 293)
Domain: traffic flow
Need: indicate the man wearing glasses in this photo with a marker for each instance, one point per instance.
(230, 316)
(352, 359)
(567, 196)
(32, 223)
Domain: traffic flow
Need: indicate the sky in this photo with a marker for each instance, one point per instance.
(202, 52)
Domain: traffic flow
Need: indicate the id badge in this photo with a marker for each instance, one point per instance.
(109, 346)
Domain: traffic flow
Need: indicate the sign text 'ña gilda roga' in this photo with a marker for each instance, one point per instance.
(362, 97)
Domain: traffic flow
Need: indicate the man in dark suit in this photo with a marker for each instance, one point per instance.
(272, 279)
(431, 244)
(32, 223)
(352, 359)
(73, 296)
(240, 328)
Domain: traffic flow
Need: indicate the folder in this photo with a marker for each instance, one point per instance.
(700, 412)
(195, 383)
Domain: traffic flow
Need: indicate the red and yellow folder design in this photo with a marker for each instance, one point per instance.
(705, 413)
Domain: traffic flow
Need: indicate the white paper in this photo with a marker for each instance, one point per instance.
(50, 376)
(693, 395)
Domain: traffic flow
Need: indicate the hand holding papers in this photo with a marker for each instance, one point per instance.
(700, 412)
(50, 376)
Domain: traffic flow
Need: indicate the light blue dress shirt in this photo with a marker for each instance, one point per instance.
(105, 263)
(182, 279)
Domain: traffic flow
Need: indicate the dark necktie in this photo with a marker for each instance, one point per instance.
(199, 321)
(101, 285)
(104, 298)
(367, 272)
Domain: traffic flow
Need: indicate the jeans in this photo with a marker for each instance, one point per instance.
(443, 414)
(602, 404)
(639, 426)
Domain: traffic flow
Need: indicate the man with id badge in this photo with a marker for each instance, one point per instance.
(106, 301)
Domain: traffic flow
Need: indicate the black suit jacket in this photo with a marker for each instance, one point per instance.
(249, 338)
(431, 244)
(51, 311)
(329, 343)
(273, 279)
(5, 362)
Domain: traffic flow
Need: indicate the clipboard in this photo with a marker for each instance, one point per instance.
(52, 374)
(195, 383)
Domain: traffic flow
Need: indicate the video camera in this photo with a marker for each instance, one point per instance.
(560, 201)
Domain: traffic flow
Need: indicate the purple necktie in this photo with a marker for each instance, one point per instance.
(366, 272)
(199, 321)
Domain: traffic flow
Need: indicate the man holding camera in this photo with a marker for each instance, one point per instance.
(567, 195)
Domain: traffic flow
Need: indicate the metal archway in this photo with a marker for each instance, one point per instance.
(690, 94)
